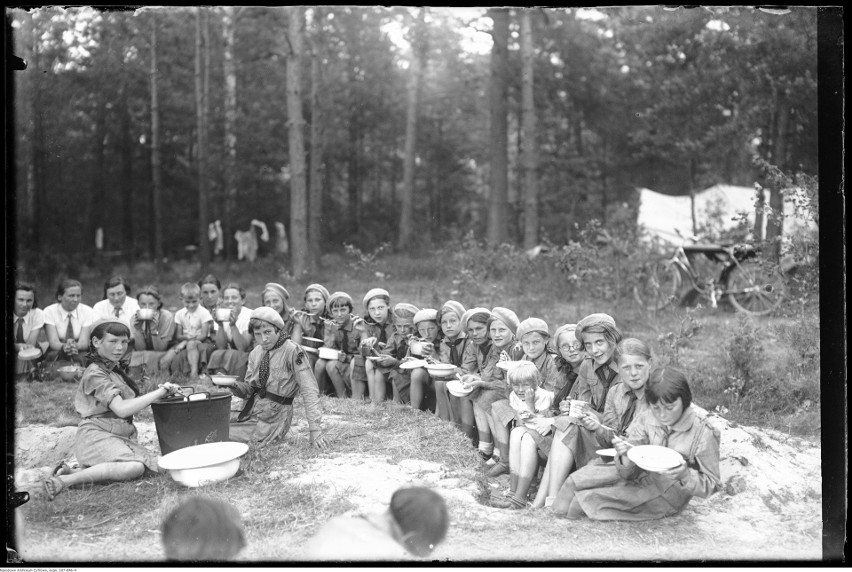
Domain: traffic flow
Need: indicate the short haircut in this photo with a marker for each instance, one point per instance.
(237, 287)
(480, 317)
(379, 297)
(631, 347)
(190, 289)
(612, 335)
(422, 515)
(202, 529)
(666, 384)
(65, 284)
(524, 372)
(340, 302)
(111, 327)
(209, 279)
(117, 280)
(28, 287)
(151, 290)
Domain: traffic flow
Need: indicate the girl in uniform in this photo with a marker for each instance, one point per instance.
(451, 350)
(151, 337)
(107, 398)
(378, 331)
(391, 355)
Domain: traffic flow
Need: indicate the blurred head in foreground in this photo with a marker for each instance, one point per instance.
(422, 517)
(201, 528)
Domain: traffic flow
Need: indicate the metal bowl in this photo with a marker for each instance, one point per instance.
(441, 369)
(69, 372)
(329, 353)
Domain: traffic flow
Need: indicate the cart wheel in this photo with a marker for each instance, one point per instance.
(755, 288)
(659, 287)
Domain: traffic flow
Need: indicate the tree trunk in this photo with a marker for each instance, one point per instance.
(530, 155)
(99, 197)
(317, 144)
(692, 185)
(37, 145)
(499, 153)
(775, 224)
(156, 170)
(201, 153)
(126, 174)
(353, 177)
(298, 187)
(415, 81)
(230, 112)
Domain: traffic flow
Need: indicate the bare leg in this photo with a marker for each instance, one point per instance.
(359, 387)
(528, 465)
(467, 418)
(336, 378)
(561, 462)
(101, 473)
(443, 405)
(541, 495)
(419, 384)
(564, 498)
(380, 392)
(192, 356)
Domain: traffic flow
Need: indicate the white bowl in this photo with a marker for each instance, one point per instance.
(145, 314)
(507, 365)
(654, 458)
(441, 369)
(413, 364)
(311, 342)
(456, 387)
(223, 314)
(69, 372)
(199, 465)
(223, 379)
(329, 353)
(28, 354)
(309, 350)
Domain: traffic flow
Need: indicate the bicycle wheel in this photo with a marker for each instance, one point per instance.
(754, 288)
(659, 286)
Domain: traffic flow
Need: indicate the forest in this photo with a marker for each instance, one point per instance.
(411, 128)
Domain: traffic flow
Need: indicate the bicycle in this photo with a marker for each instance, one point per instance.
(750, 284)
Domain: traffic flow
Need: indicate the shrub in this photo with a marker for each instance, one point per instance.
(744, 356)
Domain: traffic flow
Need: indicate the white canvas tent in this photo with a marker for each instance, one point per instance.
(663, 215)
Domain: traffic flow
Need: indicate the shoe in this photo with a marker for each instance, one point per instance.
(52, 487)
(483, 455)
(498, 469)
(63, 468)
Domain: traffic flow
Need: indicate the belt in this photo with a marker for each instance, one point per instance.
(278, 398)
(110, 415)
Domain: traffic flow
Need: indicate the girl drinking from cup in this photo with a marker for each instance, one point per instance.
(624, 403)
(233, 340)
(422, 391)
(68, 324)
(490, 393)
(391, 355)
(153, 330)
(107, 398)
(670, 421)
(574, 442)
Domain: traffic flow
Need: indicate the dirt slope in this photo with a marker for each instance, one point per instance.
(770, 508)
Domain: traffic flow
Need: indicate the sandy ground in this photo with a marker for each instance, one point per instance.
(770, 507)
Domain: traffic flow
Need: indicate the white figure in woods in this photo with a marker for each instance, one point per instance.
(247, 240)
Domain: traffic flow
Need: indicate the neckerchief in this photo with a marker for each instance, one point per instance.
(263, 368)
(627, 417)
(119, 367)
(455, 358)
(383, 335)
(605, 375)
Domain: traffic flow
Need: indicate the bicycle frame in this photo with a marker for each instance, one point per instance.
(712, 288)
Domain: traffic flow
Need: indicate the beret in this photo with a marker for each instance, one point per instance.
(506, 316)
(426, 314)
(277, 288)
(267, 314)
(373, 293)
(319, 288)
(532, 325)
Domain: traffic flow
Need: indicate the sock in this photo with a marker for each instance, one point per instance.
(486, 447)
(548, 501)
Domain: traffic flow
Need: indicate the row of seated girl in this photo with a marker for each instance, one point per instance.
(517, 429)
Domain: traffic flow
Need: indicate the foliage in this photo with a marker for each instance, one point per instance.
(744, 357)
(686, 327)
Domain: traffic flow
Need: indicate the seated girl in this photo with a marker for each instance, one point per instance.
(534, 335)
(624, 402)
(68, 324)
(310, 322)
(107, 398)
(574, 443)
(152, 335)
(451, 349)
(422, 390)
(379, 330)
(474, 323)
(233, 341)
(569, 356)
(528, 440)
(490, 393)
(379, 371)
(27, 324)
(340, 334)
(671, 421)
